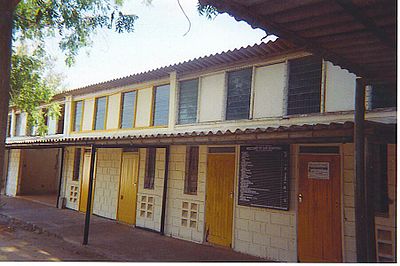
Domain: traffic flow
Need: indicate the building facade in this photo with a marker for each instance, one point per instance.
(250, 149)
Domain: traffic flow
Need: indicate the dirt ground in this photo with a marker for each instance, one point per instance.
(17, 244)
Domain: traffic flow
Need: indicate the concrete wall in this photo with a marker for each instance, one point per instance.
(13, 173)
(38, 177)
(107, 182)
(185, 213)
(148, 213)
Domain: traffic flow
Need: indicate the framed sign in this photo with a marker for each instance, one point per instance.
(264, 176)
(318, 170)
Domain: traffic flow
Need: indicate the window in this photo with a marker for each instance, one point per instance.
(304, 92)
(150, 168)
(18, 125)
(8, 125)
(378, 168)
(238, 101)
(100, 113)
(188, 93)
(45, 113)
(161, 105)
(128, 109)
(192, 164)
(78, 113)
(383, 96)
(60, 122)
(77, 164)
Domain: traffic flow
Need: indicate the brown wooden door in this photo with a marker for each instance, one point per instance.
(319, 219)
(219, 198)
(85, 183)
(128, 188)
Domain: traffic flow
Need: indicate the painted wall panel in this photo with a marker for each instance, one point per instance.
(212, 101)
(269, 85)
(88, 110)
(113, 111)
(144, 105)
(340, 87)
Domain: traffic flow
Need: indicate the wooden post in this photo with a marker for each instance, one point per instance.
(89, 199)
(164, 196)
(360, 184)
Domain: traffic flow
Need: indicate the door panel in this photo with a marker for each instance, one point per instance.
(319, 219)
(85, 182)
(219, 198)
(128, 188)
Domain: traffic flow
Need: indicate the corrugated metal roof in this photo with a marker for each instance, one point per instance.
(359, 35)
(257, 51)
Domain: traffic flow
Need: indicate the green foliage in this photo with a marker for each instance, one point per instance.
(208, 11)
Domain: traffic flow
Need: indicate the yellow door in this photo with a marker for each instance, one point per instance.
(128, 188)
(85, 182)
(219, 198)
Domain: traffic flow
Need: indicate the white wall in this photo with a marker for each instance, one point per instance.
(113, 109)
(269, 85)
(144, 105)
(88, 111)
(212, 98)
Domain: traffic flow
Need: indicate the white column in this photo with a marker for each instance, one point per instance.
(67, 115)
(173, 100)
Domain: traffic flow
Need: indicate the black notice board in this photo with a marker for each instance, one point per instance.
(264, 176)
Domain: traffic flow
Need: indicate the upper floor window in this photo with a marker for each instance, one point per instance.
(239, 90)
(161, 105)
(188, 93)
(150, 168)
(128, 109)
(8, 125)
(383, 96)
(18, 128)
(100, 113)
(78, 114)
(192, 165)
(60, 121)
(304, 92)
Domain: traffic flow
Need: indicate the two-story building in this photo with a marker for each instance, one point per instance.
(250, 149)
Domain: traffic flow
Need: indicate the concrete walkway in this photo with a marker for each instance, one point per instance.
(108, 238)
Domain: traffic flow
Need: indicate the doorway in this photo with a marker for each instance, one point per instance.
(85, 182)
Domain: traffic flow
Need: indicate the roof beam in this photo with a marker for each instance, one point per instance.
(368, 23)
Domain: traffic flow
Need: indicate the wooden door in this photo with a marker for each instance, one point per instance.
(128, 188)
(85, 182)
(319, 219)
(219, 198)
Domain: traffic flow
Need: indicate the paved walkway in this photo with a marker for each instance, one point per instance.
(108, 238)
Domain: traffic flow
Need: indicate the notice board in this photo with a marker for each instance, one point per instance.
(264, 176)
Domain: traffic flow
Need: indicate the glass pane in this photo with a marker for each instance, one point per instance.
(161, 106)
(100, 113)
(17, 125)
(78, 115)
(188, 91)
(238, 102)
(128, 109)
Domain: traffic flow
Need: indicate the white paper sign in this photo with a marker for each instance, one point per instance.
(318, 170)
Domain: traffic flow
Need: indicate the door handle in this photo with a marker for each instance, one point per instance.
(122, 196)
(231, 194)
(300, 197)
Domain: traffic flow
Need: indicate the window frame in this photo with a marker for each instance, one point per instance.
(95, 113)
(73, 121)
(17, 128)
(153, 104)
(77, 165)
(179, 101)
(188, 179)
(121, 110)
(150, 170)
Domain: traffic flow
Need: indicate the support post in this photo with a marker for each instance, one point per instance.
(360, 184)
(164, 197)
(60, 175)
(89, 199)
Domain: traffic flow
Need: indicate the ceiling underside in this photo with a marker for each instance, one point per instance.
(359, 35)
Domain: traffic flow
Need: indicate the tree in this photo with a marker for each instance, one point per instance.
(74, 20)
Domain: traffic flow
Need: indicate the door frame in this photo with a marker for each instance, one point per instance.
(235, 188)
(119, 183)
(296, 151)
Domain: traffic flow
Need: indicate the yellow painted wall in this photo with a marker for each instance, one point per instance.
(114, 102)
(212, 92)
(144, 105)
(88, 114)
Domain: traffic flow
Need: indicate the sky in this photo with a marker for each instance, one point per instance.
(158, 40)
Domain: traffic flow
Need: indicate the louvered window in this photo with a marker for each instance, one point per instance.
(60, 122)
(161, 106)
(304, 92)
(188, 93)
(128, 109)
(192, 164)
(78, 113)
(100, 118)
(238, 101)
(150, 168)
(18, 125)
